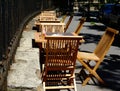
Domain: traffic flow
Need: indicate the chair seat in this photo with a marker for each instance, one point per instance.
(87, 56)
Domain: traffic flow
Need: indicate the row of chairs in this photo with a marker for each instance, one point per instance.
(79, 26)
(60, 59)
(61, 55)
(85, 58)
(50, 23)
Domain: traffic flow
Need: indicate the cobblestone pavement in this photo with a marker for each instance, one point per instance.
(24, 73)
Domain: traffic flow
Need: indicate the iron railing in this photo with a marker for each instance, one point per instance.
(14, 14)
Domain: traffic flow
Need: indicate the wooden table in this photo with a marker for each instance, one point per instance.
(39, 38)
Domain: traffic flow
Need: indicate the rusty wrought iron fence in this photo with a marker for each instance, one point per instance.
(13, 17)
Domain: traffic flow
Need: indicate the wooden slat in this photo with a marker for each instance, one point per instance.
(59, 87)
(61, 53)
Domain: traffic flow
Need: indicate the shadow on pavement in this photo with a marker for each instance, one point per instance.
(89, 38)
(95, 26)
(95, 38)
(117, 40)
(110, 71)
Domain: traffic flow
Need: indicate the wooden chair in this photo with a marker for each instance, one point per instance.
(47, 18)
(61, 53)
(48, 13)
(63, 18)
(68, 22)
(80, 25)
(97, 56)
(52, 27)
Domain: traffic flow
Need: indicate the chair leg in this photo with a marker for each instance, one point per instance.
(75, 85)
(89, 77)
(86, 81)
(98, 77)
(82, 73)
(44, 86)
(92, 72)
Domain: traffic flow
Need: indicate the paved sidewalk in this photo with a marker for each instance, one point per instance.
(24, 73)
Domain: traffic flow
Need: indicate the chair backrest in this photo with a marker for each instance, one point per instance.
(80, 25)
(105, 42)
(53, 27)
(61, 53)
(47, 18)
(68, 22)
(48, 13)
(63, 18)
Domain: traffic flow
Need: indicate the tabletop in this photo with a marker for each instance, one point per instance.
(39, 38)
